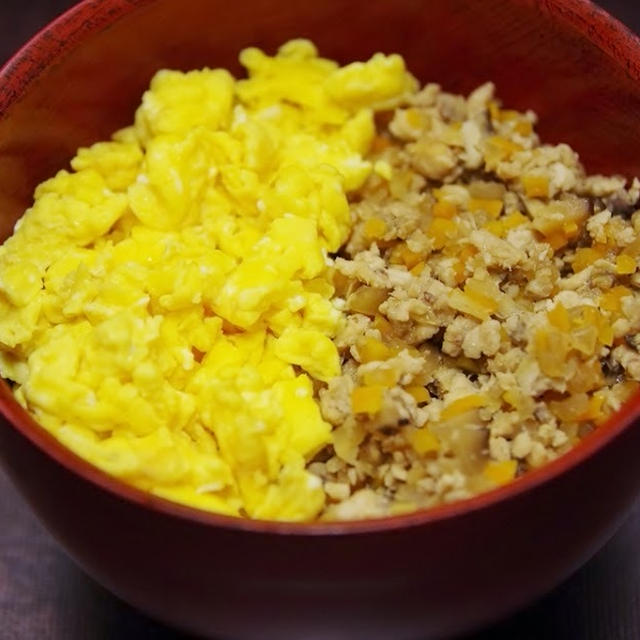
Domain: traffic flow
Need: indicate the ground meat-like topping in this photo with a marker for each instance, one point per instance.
(491, 292)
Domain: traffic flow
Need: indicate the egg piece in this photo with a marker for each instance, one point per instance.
(165, 306)
(177, 103)
(117, 162)
(382, 80)
(311, 350)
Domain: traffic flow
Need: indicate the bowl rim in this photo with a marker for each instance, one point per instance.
(60, 37)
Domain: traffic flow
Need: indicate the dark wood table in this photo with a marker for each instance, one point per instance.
(44, 596)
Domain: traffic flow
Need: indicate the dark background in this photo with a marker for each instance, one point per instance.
(44, 596)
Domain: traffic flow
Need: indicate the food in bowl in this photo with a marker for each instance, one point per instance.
(322, 292)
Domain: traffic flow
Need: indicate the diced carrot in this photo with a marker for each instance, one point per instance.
(499, 148)
(442, 231)
(605, 334)
(400, 508)
(507, 115)
(468, 251)
(409, 258)
(523, 402)
(483, 292)
(371, 350)
(611, 300)
(444, 209)
(420, 394)
(422, 440)
(625, 265)
(383, 169)
(523, 127)
(492, 207)
(590, 316)
(414, 118)
(489, 303)
(557, 239)
(513, 220)
(504, 144)
(460, 271)
(511, 397)
(501, 472)
(375, 228)
(551, 348)
(367, 399)
(472, 304)
(438, 194)
(382, 325)
(535, 186)
(570, 409)
(459, 301)
(464, 404)
(584, 339)
(584, 257)
(494, 110)
(632, 249)
(496, 227)
(559, 317)
(594, 412)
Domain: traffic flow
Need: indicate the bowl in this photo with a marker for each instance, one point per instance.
(430, 574)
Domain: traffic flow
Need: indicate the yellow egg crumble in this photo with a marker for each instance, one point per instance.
(165, 307)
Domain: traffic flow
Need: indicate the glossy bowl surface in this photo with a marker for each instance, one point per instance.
(424, 575)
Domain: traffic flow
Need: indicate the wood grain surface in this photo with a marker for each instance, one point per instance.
(44, 596)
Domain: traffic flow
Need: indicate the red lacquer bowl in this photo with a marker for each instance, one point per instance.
(425, 575)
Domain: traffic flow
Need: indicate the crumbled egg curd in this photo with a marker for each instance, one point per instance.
(165, 306)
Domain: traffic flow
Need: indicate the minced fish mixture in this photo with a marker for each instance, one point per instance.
(322, 292)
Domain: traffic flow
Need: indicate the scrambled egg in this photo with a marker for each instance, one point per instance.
(165, 307)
